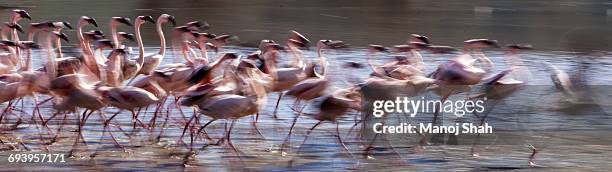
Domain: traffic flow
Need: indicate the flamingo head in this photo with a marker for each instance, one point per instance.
(21, 14)
(203, 37)
(441, 49)
(65, 24)
(263, 44)
(93, 35)
(104, 43)
(28, 45)
(143, 19)
(122, 20)
(419, 38)
(5, 44)
(126, 36)
(15, 26)
(332, 44)
(377, 48)
(197, 25)
(480, 43)
(61, 35)
(89, 20)
(297, 39)
(167, 18)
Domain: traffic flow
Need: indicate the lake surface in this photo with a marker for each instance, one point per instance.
(568, 141)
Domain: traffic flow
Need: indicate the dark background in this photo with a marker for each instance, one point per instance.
(548, 25)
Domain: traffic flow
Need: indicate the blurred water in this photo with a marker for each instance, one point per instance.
(322, 150)
(554, 29)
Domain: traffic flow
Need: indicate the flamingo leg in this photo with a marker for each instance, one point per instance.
(105, 128)
(7, 109)
(280, 95)
(59, 130)
(202, 129)
(161, 131)
(157, 110)
(482, 120)
(308, 134)
(340, 139)
(534, 151)
(254, 124)
(297, 116)
(37, 110)
(79, 127)
(185, 129)
(111, 118)
(353, 127)
(370, 146)
(229, 140)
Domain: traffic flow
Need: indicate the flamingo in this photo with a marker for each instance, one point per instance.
(334, 105)
(16, 16)
(152, 61)
(243, 105)
(10, 59)
(87, 53)
(283, 78)
(75, 93)
(131, 68)
(47, 26)
(8, 28)
(6, 63)
(202, 39)
(311, 88)
(127, 98)
(504, 84)
(114, 23)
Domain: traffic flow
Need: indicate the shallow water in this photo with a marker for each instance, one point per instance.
(582, 147)
(573, 149)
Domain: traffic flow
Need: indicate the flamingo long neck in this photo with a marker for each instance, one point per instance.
(88, 55)
(115, 69)
(82, 42)
(13, 21)
(15, 37)
(140, 59)
(28, 64)
(370, 57)
(185, 51)
(113, 28)
(322, 62)
(520, 70)
(204, 51)
(58, 45)
(162, 38)
(270, 64)
(416, 55)
(217, 62)
(297, 54)
(3, 32)
(258, 88)
(51, 65)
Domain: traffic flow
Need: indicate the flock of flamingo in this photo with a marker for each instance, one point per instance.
(229, 86)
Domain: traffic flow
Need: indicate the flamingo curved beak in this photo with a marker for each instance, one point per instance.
(149, 19)
(127, 36)
(15, 26)
(123, 20)
(103, 43)
(91, 20)
(67, 24)
(23, 14)
(62, 36)
(172, 20)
